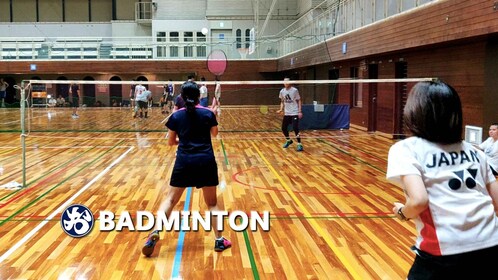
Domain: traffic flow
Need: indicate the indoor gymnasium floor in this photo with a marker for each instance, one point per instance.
(330, 205)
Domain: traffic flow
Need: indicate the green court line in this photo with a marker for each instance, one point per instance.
(254, 268)
(351, 155)
(57, 185)
(252, 260)
(224, 152)
(48, 172)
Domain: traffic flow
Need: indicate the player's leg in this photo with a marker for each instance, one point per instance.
(295, 127)
(172, 198)
(286, 121)
(211, 200)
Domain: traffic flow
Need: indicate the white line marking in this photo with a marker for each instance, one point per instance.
(62, 207)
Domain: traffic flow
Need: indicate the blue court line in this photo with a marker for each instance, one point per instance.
(181, 237)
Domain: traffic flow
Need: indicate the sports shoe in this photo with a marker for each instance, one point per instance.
(222, 244)
(299, 147)
(149, 245)
(287, 143)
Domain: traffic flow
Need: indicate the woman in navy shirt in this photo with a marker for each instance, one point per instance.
(195, 164)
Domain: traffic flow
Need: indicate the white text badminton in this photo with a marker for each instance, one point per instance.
(184, 221)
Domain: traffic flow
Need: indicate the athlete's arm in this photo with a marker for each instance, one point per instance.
(300, 113)
(214, 131)
(417, 199)
(172, 140)
(281, 106)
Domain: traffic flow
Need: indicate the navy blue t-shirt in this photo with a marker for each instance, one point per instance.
(179, 102)
(194, 132)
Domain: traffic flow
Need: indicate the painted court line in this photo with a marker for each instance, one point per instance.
(62, 207)
(312, 222)
(175, 274)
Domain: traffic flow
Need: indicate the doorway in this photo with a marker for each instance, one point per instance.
(333, 88)
(62, 89)
(89, 92)
(401, 94)
(115, 92)
(373, 73)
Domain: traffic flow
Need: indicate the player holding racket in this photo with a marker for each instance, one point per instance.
(195, 164)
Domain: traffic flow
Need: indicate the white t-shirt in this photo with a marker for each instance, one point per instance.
(143, 95)
(291, 99)
(490, 148)
(460, 216)
(3, 86)
(139, 89)
(204, 91)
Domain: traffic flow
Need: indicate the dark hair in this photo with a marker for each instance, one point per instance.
(494, 124)
(433, 111)
(190, 94)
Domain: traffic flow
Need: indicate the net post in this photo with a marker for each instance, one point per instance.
(23, 133)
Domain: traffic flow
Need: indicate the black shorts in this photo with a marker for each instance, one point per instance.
(169, 97)
(460, 266)
(75, 103)
(194, 173)
(142, 104)
(288, 120)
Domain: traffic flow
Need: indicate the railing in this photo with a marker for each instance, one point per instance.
(330, 18)
(335, 17)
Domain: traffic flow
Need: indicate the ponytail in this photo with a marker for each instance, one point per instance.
(190, 94)
(190, 105)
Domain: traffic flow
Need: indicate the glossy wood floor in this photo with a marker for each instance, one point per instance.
(330, 205)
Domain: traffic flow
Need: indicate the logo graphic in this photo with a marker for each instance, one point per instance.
(77, 220)
(470, 182)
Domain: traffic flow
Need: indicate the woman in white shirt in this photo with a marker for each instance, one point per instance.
(450, 191)
(490, 148)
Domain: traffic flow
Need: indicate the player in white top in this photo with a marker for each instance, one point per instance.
(290, 105)
(3, 91)
(450, 191)
(490, 148)
(204, 93)
(139, 97)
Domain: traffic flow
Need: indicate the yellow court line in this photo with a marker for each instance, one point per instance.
(313, 223)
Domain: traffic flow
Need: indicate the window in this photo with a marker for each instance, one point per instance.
(201, 46)
(248, 38)
(173, 38)
(188, 50)
(173, 51)
(161, 48)
(238, 36)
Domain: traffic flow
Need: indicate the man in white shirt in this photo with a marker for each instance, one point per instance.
(290, 105)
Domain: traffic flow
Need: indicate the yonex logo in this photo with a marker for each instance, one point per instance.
(77, 220)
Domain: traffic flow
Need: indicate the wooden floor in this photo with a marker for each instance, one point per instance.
(330, 205)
